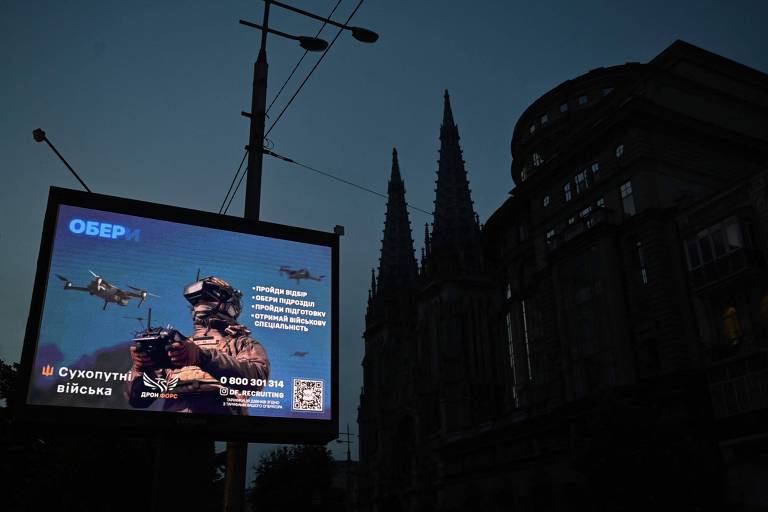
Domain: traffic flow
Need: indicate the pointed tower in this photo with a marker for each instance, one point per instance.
(456, 345)
(397, 265)
(455, 231)
(384, 417)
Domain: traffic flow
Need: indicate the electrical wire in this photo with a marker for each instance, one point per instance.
(301, 59)
(342, 180)
(233, 183)
(349, 18)
(234, 178)
(313, 69)
(245, 171)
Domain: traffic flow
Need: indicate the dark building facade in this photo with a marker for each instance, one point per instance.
(602, 342)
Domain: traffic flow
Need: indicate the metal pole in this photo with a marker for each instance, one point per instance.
(258, 119)
(40, 136)
(349, 444)
(234, 484)
(237, 452)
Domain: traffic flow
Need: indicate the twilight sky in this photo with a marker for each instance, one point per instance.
(144, 98)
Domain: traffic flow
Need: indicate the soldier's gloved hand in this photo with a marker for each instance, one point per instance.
(141, 360)
(184, 353)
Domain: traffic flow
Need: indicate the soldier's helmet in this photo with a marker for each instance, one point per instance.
(214, 290)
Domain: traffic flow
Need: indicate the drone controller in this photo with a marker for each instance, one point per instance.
(156, 342)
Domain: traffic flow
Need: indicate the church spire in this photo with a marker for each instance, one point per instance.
(397, 265)
(454, 217)
(373, 281)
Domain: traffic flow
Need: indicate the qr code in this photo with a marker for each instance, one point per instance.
(307, 395)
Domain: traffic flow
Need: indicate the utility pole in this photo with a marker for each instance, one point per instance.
(237, 451)
(258, 120)
(234, 486)
(348, 441)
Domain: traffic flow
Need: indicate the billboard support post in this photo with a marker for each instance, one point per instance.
(237, 451)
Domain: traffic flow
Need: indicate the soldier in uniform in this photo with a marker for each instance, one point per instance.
(220, 347)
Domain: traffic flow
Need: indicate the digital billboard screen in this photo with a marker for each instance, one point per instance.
(147, 314)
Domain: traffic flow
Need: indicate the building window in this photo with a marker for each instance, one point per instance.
(607, 91)
(511, 346)
(731, 326)
(600, 203)
(628, 199)
(586, 213)
(582, 182)
(619, 150)
(713, 243)
(571, 220)
(537, 160)
(567, 191)
(550, 235)
(527, 345)
(524, 173)
(523, 232)
(595, 168)
(532, 128)
(733, 235)
(564, 107)
(544, 119)
(545, 201)
(641, 261)
(583, 99)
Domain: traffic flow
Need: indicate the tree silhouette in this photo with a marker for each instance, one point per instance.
(8, 375)
(295, 478)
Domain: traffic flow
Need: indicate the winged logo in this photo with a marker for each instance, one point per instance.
(160, 383)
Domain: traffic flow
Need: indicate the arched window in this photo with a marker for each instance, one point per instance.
(731, 326)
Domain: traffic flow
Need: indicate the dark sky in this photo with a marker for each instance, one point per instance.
(143, 99)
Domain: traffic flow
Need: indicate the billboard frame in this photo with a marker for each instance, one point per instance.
(139, 422)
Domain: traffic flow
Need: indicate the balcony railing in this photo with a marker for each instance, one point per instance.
(739, 385)
(582, 225)
(726, 266)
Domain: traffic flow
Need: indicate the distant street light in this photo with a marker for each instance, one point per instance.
(39, 136)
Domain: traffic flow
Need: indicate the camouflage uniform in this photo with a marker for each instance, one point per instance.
(226, 350)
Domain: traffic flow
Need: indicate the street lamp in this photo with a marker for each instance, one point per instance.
(257, 114)
(348, 441)
(236, 451)
(40, 136)
(311, 44)
(361, 34)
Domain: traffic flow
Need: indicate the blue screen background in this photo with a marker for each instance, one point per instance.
(75, 332)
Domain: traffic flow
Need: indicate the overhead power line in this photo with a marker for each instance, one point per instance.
(313, 69)
(228, 199)
(301, 59)
(342, 180)
(233, 183)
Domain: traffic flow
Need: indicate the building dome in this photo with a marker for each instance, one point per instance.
(558, 112)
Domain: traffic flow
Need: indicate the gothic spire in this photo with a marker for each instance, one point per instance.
(454, 216)
(397, 265)
(373, 281)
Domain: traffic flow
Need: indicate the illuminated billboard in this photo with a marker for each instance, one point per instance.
(157, 317)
